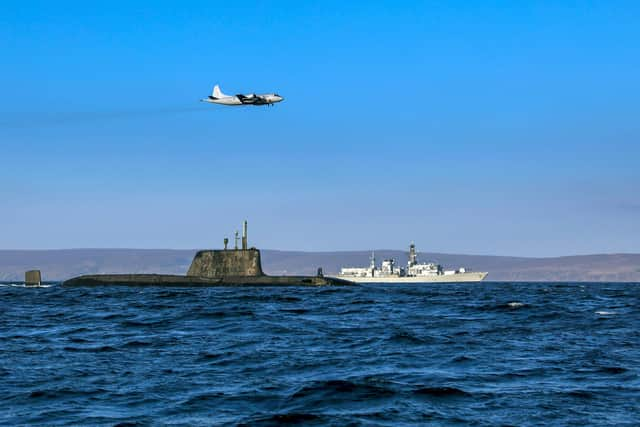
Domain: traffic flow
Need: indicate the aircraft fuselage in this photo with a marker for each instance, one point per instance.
(217, 97)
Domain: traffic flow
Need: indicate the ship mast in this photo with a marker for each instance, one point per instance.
(372, 265)
(413, 258)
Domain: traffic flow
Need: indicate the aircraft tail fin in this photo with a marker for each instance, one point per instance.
(217, 93)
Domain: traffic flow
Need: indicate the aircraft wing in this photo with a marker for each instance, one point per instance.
(260, 100)
(247, 99)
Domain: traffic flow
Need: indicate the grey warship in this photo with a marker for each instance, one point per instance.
(217, 267)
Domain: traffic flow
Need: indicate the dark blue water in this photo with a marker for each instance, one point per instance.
(469, 354)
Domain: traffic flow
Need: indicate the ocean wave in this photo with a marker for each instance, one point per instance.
(407, 337)
(230, 312)
(137, 343)
(294, 310)
(440, 392)
(99, 349)
(342, 389)
(266, 298)
(203, 397)
(505, 306)
(22, 285)
(462, 359)
(583, 394)
(64, 393)
(515, 304)
(363, 301)
(145, 324)
(612, 369)
(292, 418)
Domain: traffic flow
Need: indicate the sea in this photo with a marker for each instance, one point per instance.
(478, 354)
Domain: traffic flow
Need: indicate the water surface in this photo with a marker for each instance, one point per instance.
(466, 354)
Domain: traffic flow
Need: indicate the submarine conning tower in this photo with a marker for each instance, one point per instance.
(225, 262)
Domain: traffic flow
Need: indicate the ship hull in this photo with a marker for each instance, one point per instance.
(442, 278)
(196, 281)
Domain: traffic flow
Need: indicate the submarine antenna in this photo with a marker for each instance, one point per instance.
(236, 241)
(244, 235)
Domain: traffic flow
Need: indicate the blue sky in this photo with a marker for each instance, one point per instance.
(489, 127)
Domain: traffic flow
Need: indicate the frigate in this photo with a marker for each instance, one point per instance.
(415, 272)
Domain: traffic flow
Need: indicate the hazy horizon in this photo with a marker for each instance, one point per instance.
(381, 249)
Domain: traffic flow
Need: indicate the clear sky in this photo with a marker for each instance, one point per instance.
(486, 127)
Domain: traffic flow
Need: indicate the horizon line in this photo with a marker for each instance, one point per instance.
(322, 251)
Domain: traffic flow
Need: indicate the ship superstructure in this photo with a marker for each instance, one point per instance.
(415, 272)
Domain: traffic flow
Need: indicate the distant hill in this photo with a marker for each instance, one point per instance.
(605, 267)
(66, 263)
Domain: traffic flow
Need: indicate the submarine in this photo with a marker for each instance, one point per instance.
(215, 267)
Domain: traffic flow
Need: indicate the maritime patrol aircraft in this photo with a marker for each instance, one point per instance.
(217, 97)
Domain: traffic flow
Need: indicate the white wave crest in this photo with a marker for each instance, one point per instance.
(22, 285)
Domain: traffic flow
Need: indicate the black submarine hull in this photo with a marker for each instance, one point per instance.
(167, 280)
